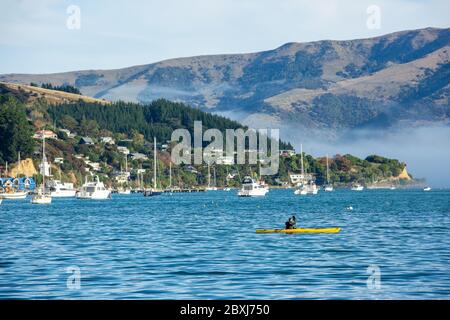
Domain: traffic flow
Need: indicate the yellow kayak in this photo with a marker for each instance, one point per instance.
(300, 230)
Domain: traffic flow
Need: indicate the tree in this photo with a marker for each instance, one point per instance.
(15, 130)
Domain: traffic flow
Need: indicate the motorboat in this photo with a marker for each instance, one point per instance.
(253, 188)
(94, 190)
(60, 189)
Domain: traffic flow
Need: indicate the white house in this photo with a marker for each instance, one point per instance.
(123, 150)
(87, 141)
(138, 156)
(287, 153)
(48, 134)
(68, 133)
(107, 140)
(225, 160)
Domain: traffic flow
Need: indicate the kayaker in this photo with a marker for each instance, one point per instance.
(290, 224)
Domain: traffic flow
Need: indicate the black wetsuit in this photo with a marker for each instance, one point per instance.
(290, 224)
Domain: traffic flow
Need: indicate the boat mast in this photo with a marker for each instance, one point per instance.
(43, 163)
(19, 166)
(215, 182)
(154, 163)
(301, 160)
(170, 173)
(328, 176)
(209, 176)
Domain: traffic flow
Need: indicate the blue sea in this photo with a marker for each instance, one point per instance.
(394, 244)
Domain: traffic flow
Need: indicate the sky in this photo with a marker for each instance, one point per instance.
(35, 37)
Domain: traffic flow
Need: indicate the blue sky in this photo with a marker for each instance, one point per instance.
(35, 39)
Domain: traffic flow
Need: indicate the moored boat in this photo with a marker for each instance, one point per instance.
(11, 194)
(42, 197)
(60, 189)
(253, 188)
(357, 187)
(94, 190)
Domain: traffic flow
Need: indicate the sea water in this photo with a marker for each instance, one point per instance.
(393, 244)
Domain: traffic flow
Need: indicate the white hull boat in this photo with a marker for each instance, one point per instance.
(94, 190)
(252, 188)
(125, 192)
(16, 195)
(357, 188)
(41, 199)
(61, 190)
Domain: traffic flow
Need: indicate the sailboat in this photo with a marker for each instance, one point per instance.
(209, 187)
(124, 189)
(154, 191)
(328, 186)
(226, 188)
(305, 187)
(42, 197)
(10, 192)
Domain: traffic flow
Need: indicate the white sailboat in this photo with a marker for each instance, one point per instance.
(328, 186)
(427, 189)
(305, 187)
(154, 191)
(124, 189)
(94, 190)
(357, 187)
(11, 193)
(210, 187)
(42, 197)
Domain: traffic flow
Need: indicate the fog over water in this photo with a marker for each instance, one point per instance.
(425, 150)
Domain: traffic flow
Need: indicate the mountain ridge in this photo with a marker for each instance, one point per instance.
(330, 86)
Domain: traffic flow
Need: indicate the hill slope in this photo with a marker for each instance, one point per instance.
(388, 81)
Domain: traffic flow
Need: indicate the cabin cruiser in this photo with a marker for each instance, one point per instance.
(357, 187)
(94, 190)
(60, 189)
(253, 188)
